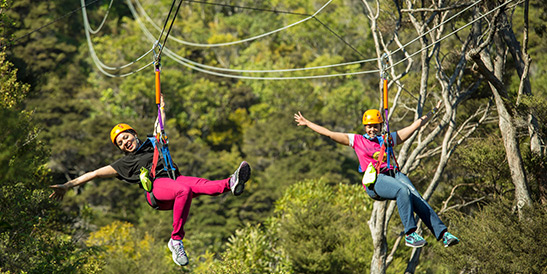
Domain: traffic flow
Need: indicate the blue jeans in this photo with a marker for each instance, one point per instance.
(408, 199)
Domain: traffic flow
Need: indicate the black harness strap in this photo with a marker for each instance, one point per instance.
(153, 202)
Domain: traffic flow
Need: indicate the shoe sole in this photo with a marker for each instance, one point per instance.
(451, 243)
(415, 246)
(243, 174)
(172, 249)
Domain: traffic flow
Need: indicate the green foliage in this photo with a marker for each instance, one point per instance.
(11, 90)
(252, 249)
(34, 231)
(317, 228)
(124, 249)
(323, 229)
(479, 173)
(495, 240)
(536, 166)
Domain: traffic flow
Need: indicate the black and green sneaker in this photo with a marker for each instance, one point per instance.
(449, 239)
(414, 240)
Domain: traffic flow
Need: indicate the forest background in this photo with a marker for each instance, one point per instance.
(304, 210)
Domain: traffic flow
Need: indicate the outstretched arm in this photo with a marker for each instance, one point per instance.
(60, 190)
(405, 133)
(339, 137)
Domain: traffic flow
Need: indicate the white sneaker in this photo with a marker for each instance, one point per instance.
(242, 175)
(177, 248)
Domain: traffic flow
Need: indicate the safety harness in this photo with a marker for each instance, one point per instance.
(387, 144)
(160, 143)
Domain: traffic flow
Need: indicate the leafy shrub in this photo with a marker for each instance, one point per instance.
(494, 240)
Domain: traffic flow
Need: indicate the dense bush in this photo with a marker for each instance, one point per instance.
(495, 240)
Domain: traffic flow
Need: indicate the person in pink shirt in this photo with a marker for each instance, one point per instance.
(390, 184)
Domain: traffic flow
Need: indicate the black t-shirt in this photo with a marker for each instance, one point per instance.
(129, 166)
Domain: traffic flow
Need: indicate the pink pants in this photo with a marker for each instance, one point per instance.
(177, 195)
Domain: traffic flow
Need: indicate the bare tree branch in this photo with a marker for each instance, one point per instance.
(452, 7)
(394, 249)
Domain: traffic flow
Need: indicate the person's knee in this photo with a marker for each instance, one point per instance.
(403, 192)
(182, 190)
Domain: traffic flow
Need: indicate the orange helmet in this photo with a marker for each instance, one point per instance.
(119, 128)
(372, 116)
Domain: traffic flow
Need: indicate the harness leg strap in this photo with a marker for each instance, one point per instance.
(153, 202)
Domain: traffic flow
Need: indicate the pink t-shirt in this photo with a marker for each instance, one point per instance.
(367, 150)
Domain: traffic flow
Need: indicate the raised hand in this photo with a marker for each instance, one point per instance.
(300, 120)
(59, 191)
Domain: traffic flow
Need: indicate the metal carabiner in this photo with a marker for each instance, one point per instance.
(157, 57)
(385, 62)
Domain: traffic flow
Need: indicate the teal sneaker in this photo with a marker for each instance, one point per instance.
(449, 239)
(179, 255)
(415, 240)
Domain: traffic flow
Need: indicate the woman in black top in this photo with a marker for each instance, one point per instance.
(167, 193)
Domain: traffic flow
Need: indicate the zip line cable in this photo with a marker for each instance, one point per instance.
(452, 33)
(434, 28)
(143, 11)
(54, 21)
(92, 49)
(102, 65)
(192, 65)
(424, 48)
(158, 56)
(244, 7)
(145, 29)
(172, 55)
(96, 60)
(182, 61)
(92, 31)
(166, 20)
(443, 38)
(233, 42)
(421, 36)
(339, 37)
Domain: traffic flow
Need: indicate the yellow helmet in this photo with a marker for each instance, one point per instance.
(119, 128)
(372, 116)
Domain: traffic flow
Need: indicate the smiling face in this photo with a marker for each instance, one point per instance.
(373, 130)
(127, 142)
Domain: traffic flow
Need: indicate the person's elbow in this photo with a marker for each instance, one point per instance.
(104, 172)
(341, 139)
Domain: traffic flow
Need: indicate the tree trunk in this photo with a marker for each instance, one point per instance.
(377, 231)
(414, 260)
(522, 64)
(492, 65)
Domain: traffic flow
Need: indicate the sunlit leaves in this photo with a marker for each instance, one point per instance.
(11, 90)
(124, 249)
